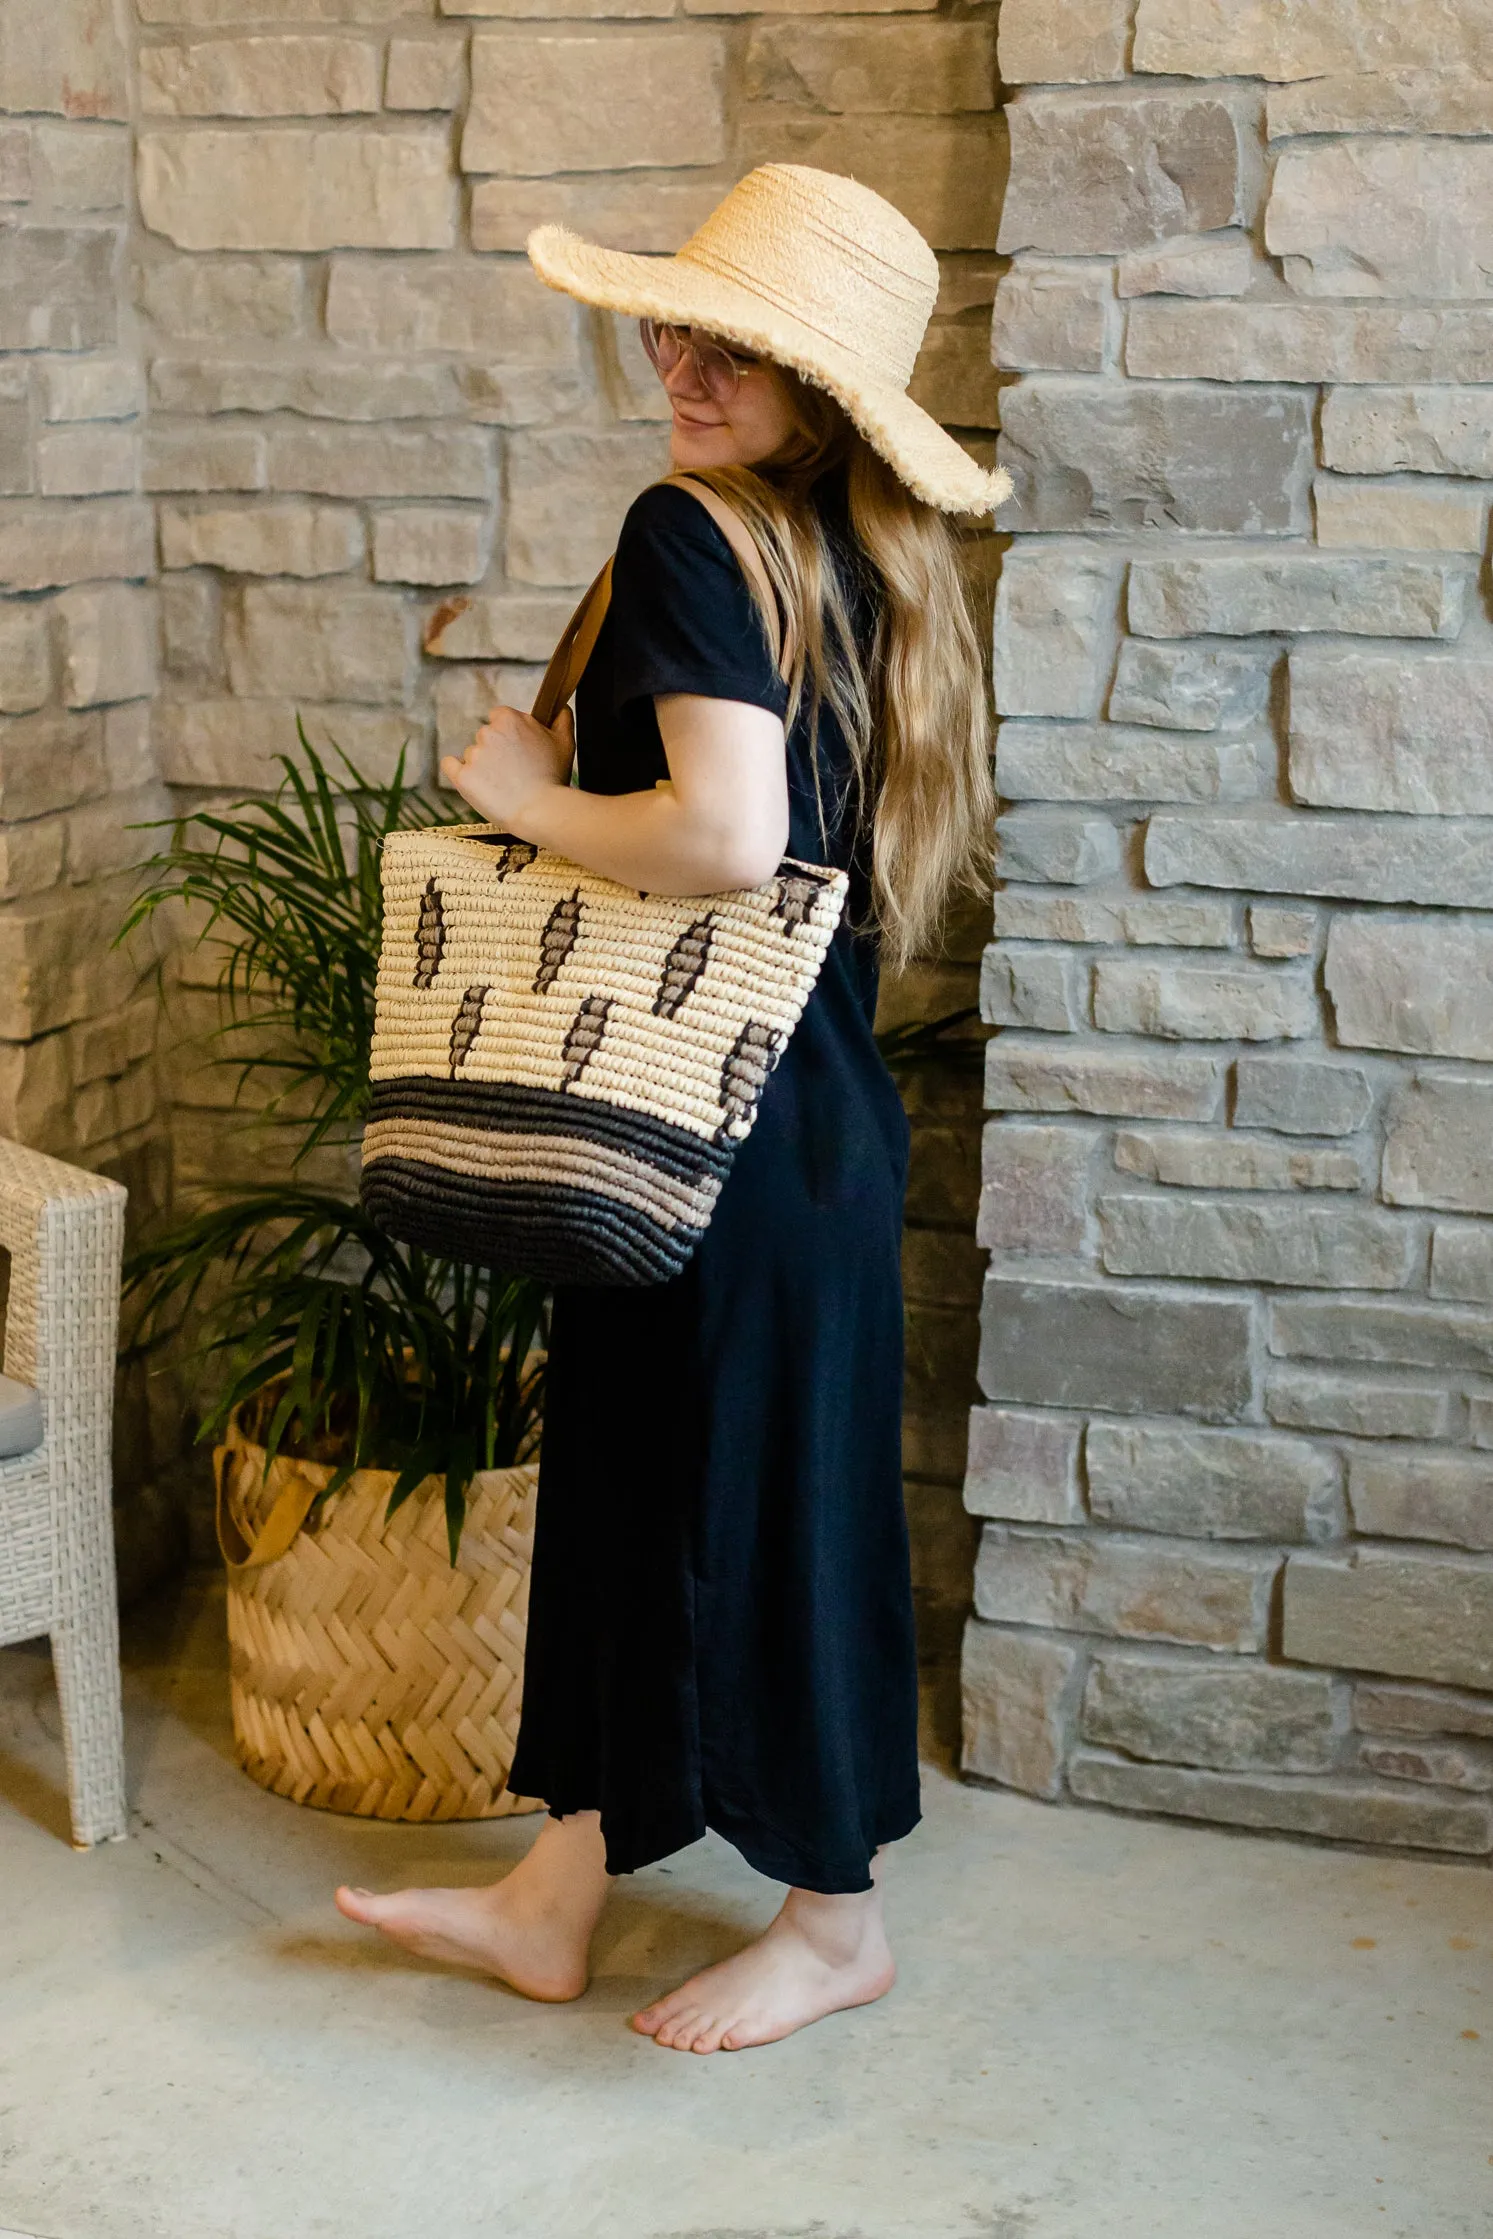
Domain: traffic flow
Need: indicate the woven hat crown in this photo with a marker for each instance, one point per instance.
(829, 253)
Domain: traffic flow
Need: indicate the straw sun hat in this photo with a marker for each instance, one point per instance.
(817, 273)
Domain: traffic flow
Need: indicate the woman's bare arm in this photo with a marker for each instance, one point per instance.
(721, 822)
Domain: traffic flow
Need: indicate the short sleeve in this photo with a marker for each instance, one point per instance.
(683, 617)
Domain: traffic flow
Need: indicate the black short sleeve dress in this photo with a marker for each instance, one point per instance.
(720, 1619)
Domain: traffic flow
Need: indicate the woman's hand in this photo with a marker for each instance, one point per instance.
(511, 765)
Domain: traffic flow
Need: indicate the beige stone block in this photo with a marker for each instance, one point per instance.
(1093, 173)
(1282, 341)
(1424, 1616)
(954, 378)
(1189, 1159)
(329, 387)
(1023, 1467)
(654, 214)
(1020, 1700)
(505, 311)
(797, 7)
(232, 299)
(203, 458)
(1438, 1147)
(1382, 101)
(86, 462)
(1081, 43)
(1295, 594)
(91, 389)
(946, 174)
(628, 379)
(1034, 1185)
(34, 1086)
(464, 697)
(107, 636)
(382, 462)
(191, 639)
(500, 626)
(884, 68)
(967, 282)
(1203, 1001)
(1261, 38)
(430, 544)
(129, 758)
(1279, 930)
(67, 60)
(305, 76)
(525, 396)
(213, 15)
(297, 187)
(15, 163)
(1408, 431)
(1462, 1261)
(229, 742)
(1197, 264)
(31, 857)
(1400, 516)
(57, 287)
(1393, 217)
(103, 1048)
(80, 166)
(320, 642)
(48, 761)
(1052, 315)
(560, 9)
(426, 73)
(567, 494)
(25, 659)
(104, 837)
(262, 539)
(1447, 1497)
(1054, 630)
(57, 964)
(1138, 1589)
(573, 101)
(1420, 985)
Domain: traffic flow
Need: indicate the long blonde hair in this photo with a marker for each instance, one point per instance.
(914, 715)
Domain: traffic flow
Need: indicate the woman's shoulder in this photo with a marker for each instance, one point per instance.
(667, 520)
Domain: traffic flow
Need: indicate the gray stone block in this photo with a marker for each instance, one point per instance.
(1423, 985)
(1068, 849)
(1408, 430)
(1315, 1247)
(1034, 1186)
(1027, 914)
(1443, 1764)
(1352, 857)
(1356, 100)
(1416, 1616)
(298, 187)
(1420, 1711)
(547, 99)
(1462, 1261)
(1446, 1497)
(1103, 762)
(1209, 1159)
(1259, 37)
(1117, 456)
(1361, 1329)
(57, 288)
(1480, 1420)
(1052, 316)
(1129, 1084)
(1054, 631)
(1212, 1484)
(1281, 931)
(1023, 1466)
(1194, 264)
(1290, 595)
(567, 490)
(1020, 1695)
(1092, 173)
(1203, 1001)
(1405, 731)
(345, 462)
(1301, 1095)
(496, 626)
(1234, 1717)
(1397, 216)
(1302, 1399)
(1040, 987)
(1189, 687)
(44, 545)
(1083, 45)
(1170, 340)
(1129, 1589)
(323, 388)
(1341, 1808)
(1438, 1145)
(332, 642)
(1131, 1349)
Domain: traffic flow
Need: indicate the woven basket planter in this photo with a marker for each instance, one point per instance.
(367, 1675)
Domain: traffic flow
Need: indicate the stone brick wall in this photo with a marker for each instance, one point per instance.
(1235, 1454)
(290, 427)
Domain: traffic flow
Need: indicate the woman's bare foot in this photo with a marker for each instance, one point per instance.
(820, 1955)
(532, 1930)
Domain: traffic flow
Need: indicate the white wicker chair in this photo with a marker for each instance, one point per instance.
(64, 1230)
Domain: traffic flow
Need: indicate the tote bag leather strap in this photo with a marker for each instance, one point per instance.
(578, 638)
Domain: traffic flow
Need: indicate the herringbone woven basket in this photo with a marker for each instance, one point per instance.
(367, 1674)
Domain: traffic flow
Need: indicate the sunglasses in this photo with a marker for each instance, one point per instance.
(718, 370)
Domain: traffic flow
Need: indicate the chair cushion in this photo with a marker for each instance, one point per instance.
(20, 1418)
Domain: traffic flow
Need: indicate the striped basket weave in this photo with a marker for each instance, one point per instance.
(367, 1673)
(563, 1068)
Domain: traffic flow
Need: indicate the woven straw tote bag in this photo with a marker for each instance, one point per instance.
(368, 1673)
(563, 1068)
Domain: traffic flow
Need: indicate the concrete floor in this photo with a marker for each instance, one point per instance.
(1105, 2028)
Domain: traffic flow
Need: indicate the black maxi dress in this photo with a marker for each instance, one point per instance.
(720, 1617)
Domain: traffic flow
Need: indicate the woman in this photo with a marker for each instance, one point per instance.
(720, 1626)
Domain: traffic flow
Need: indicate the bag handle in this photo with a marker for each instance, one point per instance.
(275, 1534)
(578, 638)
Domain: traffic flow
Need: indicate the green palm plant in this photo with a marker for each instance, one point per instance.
(338, 1344)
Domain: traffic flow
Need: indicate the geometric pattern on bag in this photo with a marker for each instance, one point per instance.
(563, 1068)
